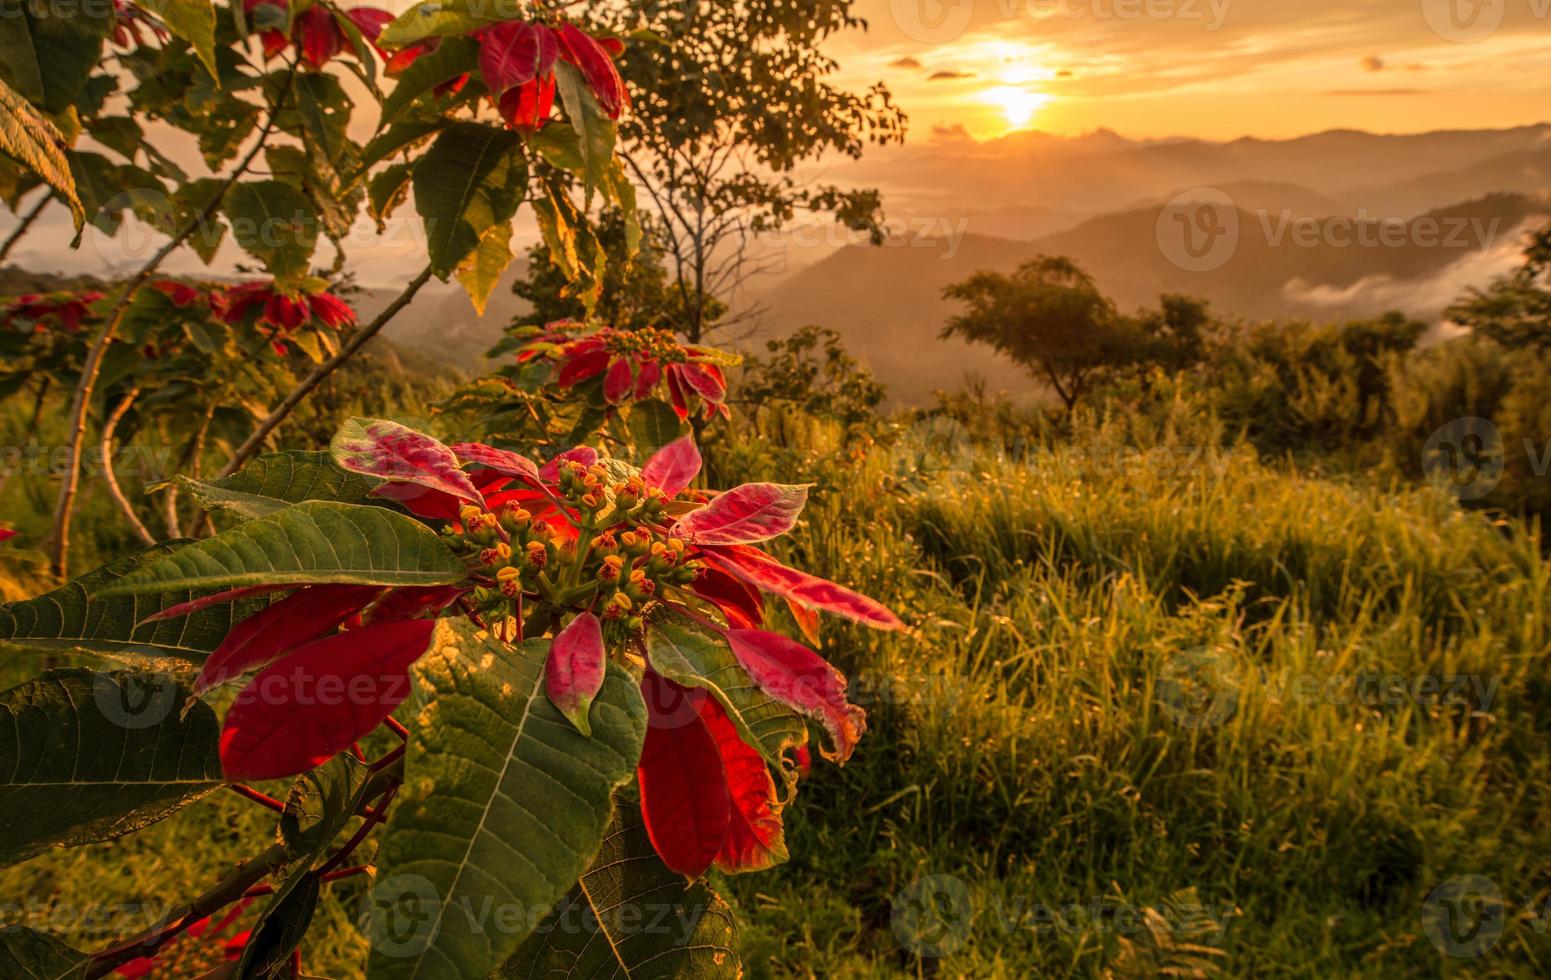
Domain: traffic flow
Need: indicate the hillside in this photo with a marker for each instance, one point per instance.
(887, 302)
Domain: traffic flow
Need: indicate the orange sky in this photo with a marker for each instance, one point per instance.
(1217, 69)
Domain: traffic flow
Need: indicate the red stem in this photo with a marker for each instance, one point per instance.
(260, 798)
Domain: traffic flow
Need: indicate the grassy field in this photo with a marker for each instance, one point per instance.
(1161, 709)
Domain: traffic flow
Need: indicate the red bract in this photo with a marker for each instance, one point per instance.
(280, 311)
(309, 706)
(517, 61)
(745, 514)
(128, 20)
(65, 311)
(181, 294)
(300, 618)
(575, 668)
(634, 365)
(316, 32)
(6, 534)
(802, 680)
(673, 467)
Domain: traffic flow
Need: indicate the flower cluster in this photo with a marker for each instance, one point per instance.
(130, 23)
(517, 63)
(279, 311)
(43, 311)
(634, 365)
(603, 558)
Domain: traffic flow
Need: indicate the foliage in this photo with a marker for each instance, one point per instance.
(1515, 311)
(811, 369)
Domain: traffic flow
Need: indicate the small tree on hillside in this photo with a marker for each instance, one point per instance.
(1515, 310)
(1050, 317)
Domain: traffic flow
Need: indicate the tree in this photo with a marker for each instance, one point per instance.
(1050, 317)
(811, 369)
(1515, 310)
(729, 100)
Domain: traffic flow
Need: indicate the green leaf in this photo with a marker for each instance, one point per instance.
(191, 20)
(33, 142)
(396, 138)
(276, 224)
(278, 480)
(29, 955)
(504, 803)
(689, 654)
(653, 424)
(88, 756)
(480, 272)
(594, 129)
(313, 542)
(75, 618)
(453, 57)
(280, 928)
(632, 916)
(471, 179)
(386, 191)
(441, 18)
(18, 61)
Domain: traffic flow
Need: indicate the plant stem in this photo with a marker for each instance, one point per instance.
(70, 484)
(305, 387)
(21, 229)
(109, 427)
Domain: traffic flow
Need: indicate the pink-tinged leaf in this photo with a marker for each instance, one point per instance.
(619, 382)
(279, 628)
(802, 680)
(739, 601)
(807, 620)
(744, 515)
(299, 713)
(707, 381)
(763, 572)
(676, 392)
(573, 673)
(509, 55)
(370, 21)
(216, 599)
(412, 602)
(399, 454)
(684, 799)
(673, 467)
(6, 534)
(585, 455)
(502, 461)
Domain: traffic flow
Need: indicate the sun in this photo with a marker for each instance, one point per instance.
(1018, 105)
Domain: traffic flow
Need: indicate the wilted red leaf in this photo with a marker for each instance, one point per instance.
(573, 673)
(673, 467)
(301, 712)
(807, 620)
(377, 447)
(764, 572)
(744, 515)
(802, 680)
(297, 619)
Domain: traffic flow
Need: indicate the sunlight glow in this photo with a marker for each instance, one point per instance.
(1018, 105)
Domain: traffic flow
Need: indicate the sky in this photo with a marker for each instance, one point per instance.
(1214, 69)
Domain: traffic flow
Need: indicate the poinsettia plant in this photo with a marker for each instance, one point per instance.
(574, 658)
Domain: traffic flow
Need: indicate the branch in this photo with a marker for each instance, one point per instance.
(21, 229)
(303, 388)
(64, 507)
(109, 427)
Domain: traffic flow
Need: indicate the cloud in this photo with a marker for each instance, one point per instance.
(1373, 63)
(1376, 91)
(904, 63)
(948, 76)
